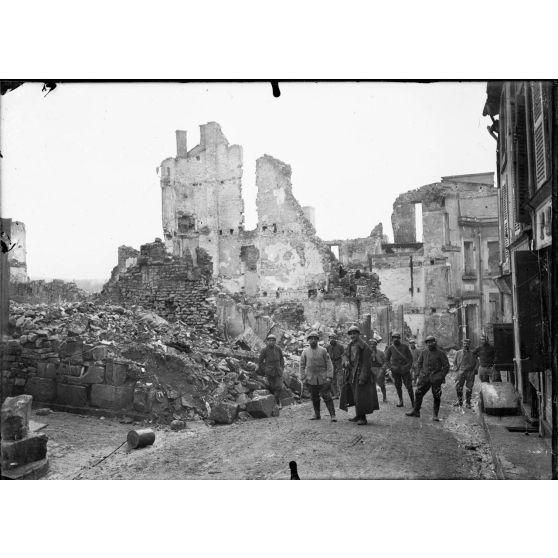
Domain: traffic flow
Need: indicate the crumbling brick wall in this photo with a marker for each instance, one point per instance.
(171, 286)
(40, 291)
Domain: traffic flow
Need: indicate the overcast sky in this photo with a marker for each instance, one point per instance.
(79, 164)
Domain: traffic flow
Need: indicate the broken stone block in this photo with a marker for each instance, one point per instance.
(112, 397)
(15, 416)
(244, 416)
(21, 452)
(224, 413)
(262, 407)
(116, 373)
(74, 396)
(261, 393)
(41, 389)
(93, 375)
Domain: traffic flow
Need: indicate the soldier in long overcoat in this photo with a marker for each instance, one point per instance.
(359, 386)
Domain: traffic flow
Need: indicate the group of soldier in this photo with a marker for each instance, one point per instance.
(352, 373)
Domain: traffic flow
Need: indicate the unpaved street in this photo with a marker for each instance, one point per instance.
(391, 446)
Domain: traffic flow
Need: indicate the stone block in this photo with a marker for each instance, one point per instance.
(21, 452)
(74, 396)
(224, 413)
(261, 393)
(499, 399)
(47, 369)
(76, 370)
(116, 373)
(31, 471)
(262, 407)
(15, 416)
(112, 397)
(93, 375)
(71, 347)
(41, 389)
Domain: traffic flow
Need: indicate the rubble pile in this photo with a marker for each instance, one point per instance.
(131, 361)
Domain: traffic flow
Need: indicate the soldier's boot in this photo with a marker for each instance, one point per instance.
(331, 409)
(400, 395)
(362, 420)
(415, 412)
(317, 415)
(411, 395)
(459, 402)
(436, 410)
(384, 394)
(468, 394)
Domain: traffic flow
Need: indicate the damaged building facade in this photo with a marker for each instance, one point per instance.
(525, 124)
(281, 271)
(203, 208)
(443, 283)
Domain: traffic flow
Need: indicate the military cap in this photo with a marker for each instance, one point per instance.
(353, 328)
(332, 336)
(312, 334)
(373, 341)
(430, 338)
(396, 334)
(271, 336)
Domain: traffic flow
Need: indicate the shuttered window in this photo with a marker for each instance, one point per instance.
(539, 132)
(506, 213)
(521, 166)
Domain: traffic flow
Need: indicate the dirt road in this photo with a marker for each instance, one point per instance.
(391, 446)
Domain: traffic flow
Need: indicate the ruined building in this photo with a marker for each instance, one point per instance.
(203, 208)
(439, 284)
(443, 283)
(281, 267)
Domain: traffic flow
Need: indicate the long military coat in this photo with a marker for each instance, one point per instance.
(359, 385)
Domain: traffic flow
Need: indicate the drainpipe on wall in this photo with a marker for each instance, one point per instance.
(481, 293)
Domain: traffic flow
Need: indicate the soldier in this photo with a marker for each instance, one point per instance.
(316, 371)
(466, 364)
(433, 366)
(485, 352)
(359, 386)
(399, 359)
(272, 364)
(378, 361)
(416, 353)
(335, 351)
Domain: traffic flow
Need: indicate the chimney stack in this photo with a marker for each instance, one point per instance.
(181, 145)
